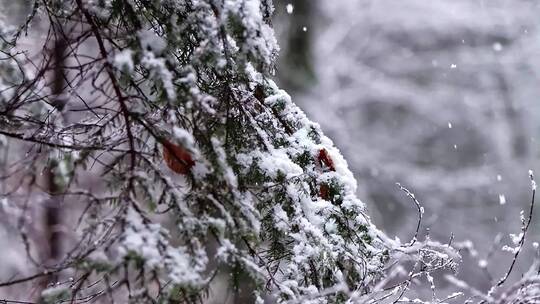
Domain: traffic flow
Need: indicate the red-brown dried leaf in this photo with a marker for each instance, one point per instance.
(177, 158)
(324, 192)
(325, 159)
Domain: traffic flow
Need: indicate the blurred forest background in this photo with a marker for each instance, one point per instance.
(442, 96)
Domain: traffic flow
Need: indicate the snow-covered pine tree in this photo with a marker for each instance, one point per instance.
(206, 168)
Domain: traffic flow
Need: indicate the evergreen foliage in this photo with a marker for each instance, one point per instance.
(147, 78)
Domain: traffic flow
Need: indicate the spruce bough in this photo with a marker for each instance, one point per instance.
(265, 198)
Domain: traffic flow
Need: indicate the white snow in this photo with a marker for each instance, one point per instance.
(159, 69)
(124, 61)
(141, 239)
(502, 199)
(289, 8)
(516, 238)
(150, 41)
(512, 250)
(482, 263)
